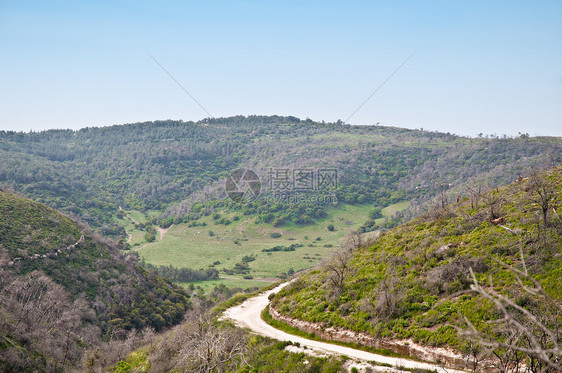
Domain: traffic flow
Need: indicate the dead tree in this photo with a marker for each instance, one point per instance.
(475, 195)
(202, 346)
(542, 195)
(523, 338)
(494, 203)
(388, 296)
(338, 268)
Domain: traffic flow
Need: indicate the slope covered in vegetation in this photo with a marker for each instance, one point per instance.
(63, 289)
(416, 281)
(154, 165)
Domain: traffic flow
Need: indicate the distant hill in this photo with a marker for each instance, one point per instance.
(414, 282)
(64, 289)
(89, 173)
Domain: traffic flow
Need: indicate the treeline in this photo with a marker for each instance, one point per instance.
(89, 173)
(182, 274)
(282, 248)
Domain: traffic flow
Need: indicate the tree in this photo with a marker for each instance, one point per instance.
(375, 213)
(521, 336)
(149, 237)
(338, 268)
(388, 296)
(202, 345)
(475, 195)
(331, 227)
(542, 194)
(41, 314)
(494, 203)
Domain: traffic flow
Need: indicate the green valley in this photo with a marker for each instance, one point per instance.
(280, 186)
(129, 182)
(388, 254)
(223, 246)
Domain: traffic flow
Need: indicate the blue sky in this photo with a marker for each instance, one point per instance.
(479, 66)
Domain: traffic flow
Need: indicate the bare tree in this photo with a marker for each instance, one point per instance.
(388, 296)
(524, 338)
(201, 345)
(339, 268)
(475, 195)
(338, 265)
(494, 203)
(472, 355)
(542, 195)
(45, 319)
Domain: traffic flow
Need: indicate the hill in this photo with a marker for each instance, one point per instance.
(90, 173)
(64, 290)
(481, 277)
(126, 180)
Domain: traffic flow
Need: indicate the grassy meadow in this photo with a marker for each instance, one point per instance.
(222, 246)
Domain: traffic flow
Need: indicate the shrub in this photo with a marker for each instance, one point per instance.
(375, 213)
(248, 259)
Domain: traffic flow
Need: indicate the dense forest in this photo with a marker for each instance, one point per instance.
(170, 166)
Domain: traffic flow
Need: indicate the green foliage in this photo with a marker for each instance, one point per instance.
(149, 237)
(240, 268)
(182, 274)
(375, 213)
(414, 282)
(248, 258)
(153, 165)
(136, 362)
(282, 248)
(110, 294)
(271, 357)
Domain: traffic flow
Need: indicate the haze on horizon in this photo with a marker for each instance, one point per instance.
(479, 67)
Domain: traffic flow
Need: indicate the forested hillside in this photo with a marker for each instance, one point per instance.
(481, 276)
(156, 165)
(64, 290)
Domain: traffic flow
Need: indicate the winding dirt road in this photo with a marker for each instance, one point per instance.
(248, 315)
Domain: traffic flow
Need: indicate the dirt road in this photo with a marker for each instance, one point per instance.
(162, 232)
(248, 315)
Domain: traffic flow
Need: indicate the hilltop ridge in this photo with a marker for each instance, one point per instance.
(155, 166)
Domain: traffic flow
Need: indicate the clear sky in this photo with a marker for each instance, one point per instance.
(479, 66)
